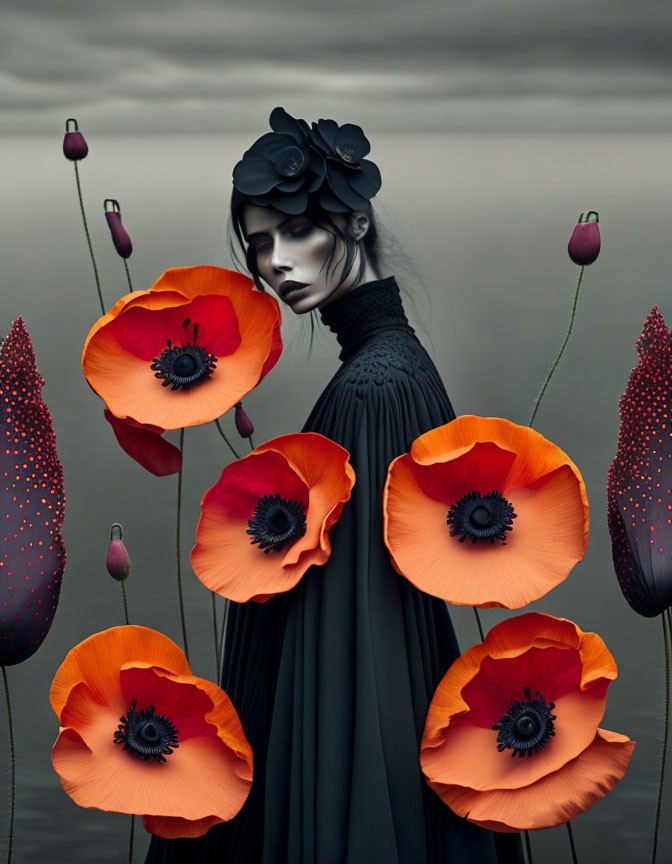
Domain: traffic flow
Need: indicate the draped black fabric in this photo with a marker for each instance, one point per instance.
(332, 680)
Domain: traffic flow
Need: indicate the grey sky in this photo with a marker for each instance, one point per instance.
(437, 65)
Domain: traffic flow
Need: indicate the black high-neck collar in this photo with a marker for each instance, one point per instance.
(367, 309)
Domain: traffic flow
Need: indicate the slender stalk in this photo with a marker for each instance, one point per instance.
(221, 432)
(88, 238)
(12, 752)
(571, 843)
(214, 622)
(251, 443)
(125, 599)
(128, 275)
(528, 847)
(564, 344)
(478, 621)
(130, 840)
(177, 545)
(667, 636)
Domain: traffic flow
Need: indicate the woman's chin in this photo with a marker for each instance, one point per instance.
(302, 305)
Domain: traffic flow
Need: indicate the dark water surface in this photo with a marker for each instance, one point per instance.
(486, 220)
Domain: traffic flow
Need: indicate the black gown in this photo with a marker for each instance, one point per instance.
(332, 680)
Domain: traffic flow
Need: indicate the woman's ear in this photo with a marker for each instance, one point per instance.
(358, 224)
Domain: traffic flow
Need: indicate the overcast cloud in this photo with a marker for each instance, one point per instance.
(448, 65)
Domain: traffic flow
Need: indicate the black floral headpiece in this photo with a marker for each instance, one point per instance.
(294, 163)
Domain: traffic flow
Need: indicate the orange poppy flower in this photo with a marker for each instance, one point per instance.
(468, 481)
(283, 497)
(180, 354)
(536, 687)
(140, 734)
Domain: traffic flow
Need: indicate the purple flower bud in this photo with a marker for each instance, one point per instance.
(584, 244)
(74, 145)
(120, 238)
(243, 422)
(118, 562)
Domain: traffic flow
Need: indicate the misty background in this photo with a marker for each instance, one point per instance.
(494, 126)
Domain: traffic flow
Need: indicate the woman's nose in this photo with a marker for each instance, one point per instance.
(280, 259)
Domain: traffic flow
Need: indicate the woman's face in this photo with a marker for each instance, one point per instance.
(292, 252)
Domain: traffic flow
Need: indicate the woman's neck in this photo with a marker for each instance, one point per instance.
(352, 282)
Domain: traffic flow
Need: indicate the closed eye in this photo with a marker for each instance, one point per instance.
(296, 233)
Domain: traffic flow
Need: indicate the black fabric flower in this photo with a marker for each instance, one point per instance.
(284, 167)
(352, 180)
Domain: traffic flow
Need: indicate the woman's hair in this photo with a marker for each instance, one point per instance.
(372, 243)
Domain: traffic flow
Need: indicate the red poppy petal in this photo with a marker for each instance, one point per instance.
(484, 467)
(243, 482)
(185, 707)
(144, 332)
(171, 827)
(498, 683)
(548, 536)
(199, 779)
(97, 660)
(148, 447)
(552, 800)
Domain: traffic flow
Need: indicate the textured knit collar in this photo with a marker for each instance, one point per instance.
(367, 309)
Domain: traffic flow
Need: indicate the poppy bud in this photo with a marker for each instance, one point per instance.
(74, 144)
(584, 244)
(243, 422)
(120, 238)
(118, 562)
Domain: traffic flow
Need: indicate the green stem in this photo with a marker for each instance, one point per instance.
(177, 544)
(528, 847)
(564, 344)
(88, 238)
(667, 635)
(571, 843)
(221, 432)
(478, 621)
(125, 599)
(214, 622)
(13, 765)
(130, 841)
(128, 275)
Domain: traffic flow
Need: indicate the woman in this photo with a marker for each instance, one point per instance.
(332, 680)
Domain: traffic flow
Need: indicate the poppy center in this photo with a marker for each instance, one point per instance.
(276, 523)
(182, 366)
(481, 517)
(145, 734)
(527, 726)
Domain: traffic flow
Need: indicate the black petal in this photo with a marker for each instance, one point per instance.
(351, 143)
(282, 122)
(343, 190)
(253, 175)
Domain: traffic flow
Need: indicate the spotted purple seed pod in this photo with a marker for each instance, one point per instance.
(243, 422)
(120, 238)
(584, 244)
(74, 143)
(32, 502)
(639, 481)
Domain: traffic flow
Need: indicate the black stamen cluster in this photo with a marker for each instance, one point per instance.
(481, 517)
(182, 366)
(146, 735)
(527, 726)
(276, 523)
